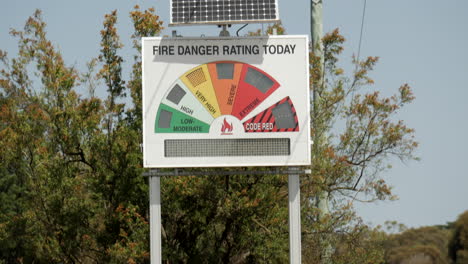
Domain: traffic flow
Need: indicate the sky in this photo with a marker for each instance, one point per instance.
(420, 42)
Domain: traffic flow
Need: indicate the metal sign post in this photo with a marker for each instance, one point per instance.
(155, 219)
(294, 218)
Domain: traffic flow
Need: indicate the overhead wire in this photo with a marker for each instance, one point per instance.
(362, 30)
(357, 63)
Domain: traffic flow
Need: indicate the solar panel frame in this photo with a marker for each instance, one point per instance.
(219, 12)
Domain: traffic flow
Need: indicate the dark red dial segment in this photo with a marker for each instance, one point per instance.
(280, 117)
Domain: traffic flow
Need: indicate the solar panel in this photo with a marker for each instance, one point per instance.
(223, 11)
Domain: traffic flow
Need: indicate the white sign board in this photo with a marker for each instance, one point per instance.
(226, 102)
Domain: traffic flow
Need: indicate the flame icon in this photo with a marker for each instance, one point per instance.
(227, 127)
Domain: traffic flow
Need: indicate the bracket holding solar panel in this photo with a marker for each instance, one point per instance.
(221, 12)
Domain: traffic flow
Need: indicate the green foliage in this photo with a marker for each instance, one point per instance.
(226, 219)
(146, 24)
(360, 245)
(422, 245)
(70, 170)
(354, 133)
(458, 247)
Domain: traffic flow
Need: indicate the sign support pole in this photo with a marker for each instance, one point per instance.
(155, 219)
(294, 218)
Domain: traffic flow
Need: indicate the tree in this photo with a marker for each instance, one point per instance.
(355, 136)
(225, 219)
(71, 169)
(425, 243)
(41, 139)
(458, 246)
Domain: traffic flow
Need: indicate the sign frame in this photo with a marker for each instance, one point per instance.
(283, 58)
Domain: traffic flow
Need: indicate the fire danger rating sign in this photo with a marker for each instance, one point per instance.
(211, 102)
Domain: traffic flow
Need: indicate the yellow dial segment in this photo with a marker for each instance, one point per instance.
(199, 82)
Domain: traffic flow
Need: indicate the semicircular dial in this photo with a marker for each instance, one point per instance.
(211, 90)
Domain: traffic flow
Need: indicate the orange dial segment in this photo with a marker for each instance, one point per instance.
(225, 77)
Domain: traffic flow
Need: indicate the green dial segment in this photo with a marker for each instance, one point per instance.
(170, 120)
